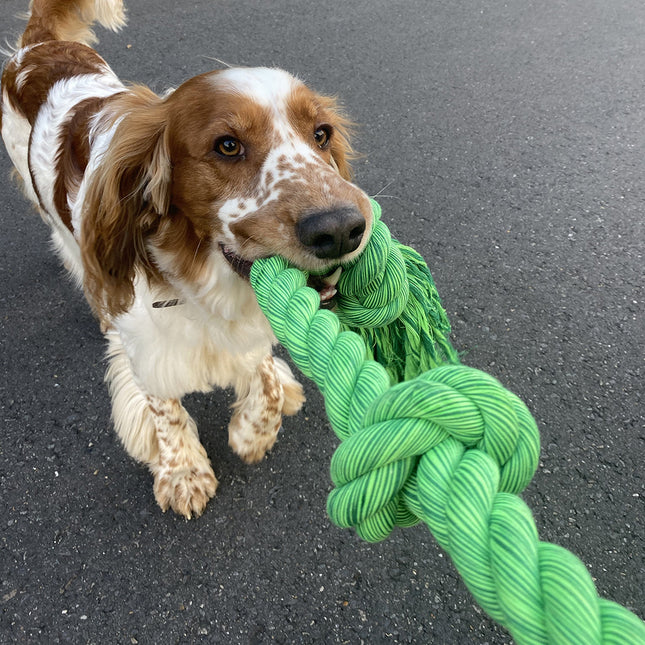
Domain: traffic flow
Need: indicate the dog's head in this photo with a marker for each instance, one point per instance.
(232, 166)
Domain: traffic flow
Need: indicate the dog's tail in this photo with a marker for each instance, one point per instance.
(70, 20)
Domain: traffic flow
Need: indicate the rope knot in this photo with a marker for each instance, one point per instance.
(374, 465)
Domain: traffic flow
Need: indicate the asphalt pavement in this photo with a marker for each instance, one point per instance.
(506, 142)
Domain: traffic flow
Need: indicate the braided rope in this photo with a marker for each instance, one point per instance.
(450, 447)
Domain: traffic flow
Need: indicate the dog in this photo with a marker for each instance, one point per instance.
(158, 206)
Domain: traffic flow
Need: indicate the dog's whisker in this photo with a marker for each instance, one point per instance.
(380, 192)
(192, 264)
(218, 60)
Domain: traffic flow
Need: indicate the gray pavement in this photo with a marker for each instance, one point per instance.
(507, 143)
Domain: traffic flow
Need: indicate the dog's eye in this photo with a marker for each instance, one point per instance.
(229, 147)
(322, 136)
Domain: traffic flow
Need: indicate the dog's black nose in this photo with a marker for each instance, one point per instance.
(331, 234)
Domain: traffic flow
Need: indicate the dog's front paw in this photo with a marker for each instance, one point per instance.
(252, 439)
(294, 395)
(185, 488)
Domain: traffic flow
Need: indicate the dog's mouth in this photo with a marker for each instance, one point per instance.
(324, 284)
(241, 266)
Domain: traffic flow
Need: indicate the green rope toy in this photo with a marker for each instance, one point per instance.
(447, 445)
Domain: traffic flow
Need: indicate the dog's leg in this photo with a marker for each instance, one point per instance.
(293, 395)
(160, 433)
(184, 479)
(262, 398)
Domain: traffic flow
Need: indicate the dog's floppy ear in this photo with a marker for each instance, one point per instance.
(128, 193)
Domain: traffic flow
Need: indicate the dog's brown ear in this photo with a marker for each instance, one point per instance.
(341, 149)
(127, 194)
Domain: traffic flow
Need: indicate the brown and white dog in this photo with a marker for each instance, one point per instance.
(153, 200)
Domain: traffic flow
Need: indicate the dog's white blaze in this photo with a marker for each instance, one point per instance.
(270, 89)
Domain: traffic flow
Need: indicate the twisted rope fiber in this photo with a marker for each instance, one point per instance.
(450, 447)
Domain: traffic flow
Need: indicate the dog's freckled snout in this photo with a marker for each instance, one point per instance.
(332, 233)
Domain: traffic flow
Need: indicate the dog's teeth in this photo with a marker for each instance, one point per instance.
(327, 294)
(332, 280)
